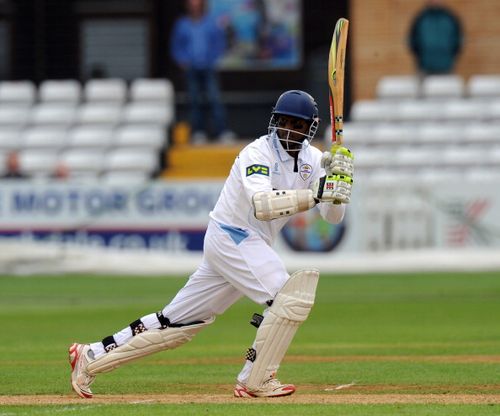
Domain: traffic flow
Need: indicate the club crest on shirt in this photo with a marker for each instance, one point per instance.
(305, 171)
(257, 170)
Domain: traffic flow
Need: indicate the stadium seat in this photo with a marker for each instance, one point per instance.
(110, 90)
(372, 111)
(443, 86)
(394, 134)
(10, 138)
(50, 138)
(37, 162)
(464, 109)
(461, 156)
(435, 133)
(14, 116)
(373, 158)
(56, 114)
(483, 174)
(152, 90)
(99, 114)
(484, 86)
(124, 178)
(398, 87)
(60, 91)
(17, 92)
(147, 113)
(493, 157)
(416, 157)
(493, 110)
(141, 136)
(355, 133)
(83, 162)
(418, 111)
(132, 160)
(481, 132)
(90, 137)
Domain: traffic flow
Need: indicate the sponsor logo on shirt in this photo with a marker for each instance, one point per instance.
(305, 171)
(257, 170)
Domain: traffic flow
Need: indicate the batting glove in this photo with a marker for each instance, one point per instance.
(333, 188)
(339, 161)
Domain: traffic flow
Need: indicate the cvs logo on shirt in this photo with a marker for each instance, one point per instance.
(257, 170)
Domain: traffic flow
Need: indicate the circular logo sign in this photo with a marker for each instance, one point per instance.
(307, 231)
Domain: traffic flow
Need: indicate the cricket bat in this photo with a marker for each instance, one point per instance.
(336, 72)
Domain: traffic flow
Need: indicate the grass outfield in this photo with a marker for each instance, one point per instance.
(412, 344)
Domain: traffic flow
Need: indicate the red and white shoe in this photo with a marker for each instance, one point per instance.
(271, 388)
(80, 379)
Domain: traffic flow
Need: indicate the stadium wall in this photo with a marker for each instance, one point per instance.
(378, 36)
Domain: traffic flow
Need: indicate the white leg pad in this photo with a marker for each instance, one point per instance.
(290, 308)
(145, 343)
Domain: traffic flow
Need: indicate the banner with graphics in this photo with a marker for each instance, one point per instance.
(172, 216)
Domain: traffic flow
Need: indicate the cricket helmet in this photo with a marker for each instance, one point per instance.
(299, 104)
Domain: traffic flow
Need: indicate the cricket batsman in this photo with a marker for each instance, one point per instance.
(274, 177)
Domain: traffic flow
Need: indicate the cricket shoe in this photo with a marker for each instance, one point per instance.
(80, 379)
(270, 388)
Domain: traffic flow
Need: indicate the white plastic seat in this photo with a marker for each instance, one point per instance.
(434, 133)
(99, 113)
(17, 116)
(37, 162)
(441, 174)
(152, 90)
(464, 109)
(373, 158)
(93, 137)
(484, 86)
(463, 157)
(416, 157)
(124, 178)
(398, 87)
(354, 133)
(148, 113)
(418, 111)
(493, 157)
(372, 111)
(134, 160)
(482, 174)
(10, 138)
(142, 136)
(17, 92)
(60, 91)
(493, 110)
(390, 133)
(83, 162)
(443, 86)
(45, 138)
(481, 132)
(53, 114)
(110, 90)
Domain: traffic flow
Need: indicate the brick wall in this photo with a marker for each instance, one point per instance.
(378, 31)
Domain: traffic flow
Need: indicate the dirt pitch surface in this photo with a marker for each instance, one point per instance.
(351, 393)
(356, 398)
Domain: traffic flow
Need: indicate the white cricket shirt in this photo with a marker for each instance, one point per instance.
(264, 165)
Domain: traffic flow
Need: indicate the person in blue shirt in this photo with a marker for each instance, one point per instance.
(435, 39)
(196, 44)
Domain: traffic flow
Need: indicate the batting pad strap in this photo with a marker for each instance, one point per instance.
(269, 205)
(290, 308)
(146, 343)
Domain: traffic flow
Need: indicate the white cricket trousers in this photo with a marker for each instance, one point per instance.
(235, 263)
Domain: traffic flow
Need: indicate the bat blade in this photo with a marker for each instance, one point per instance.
(336, 74)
